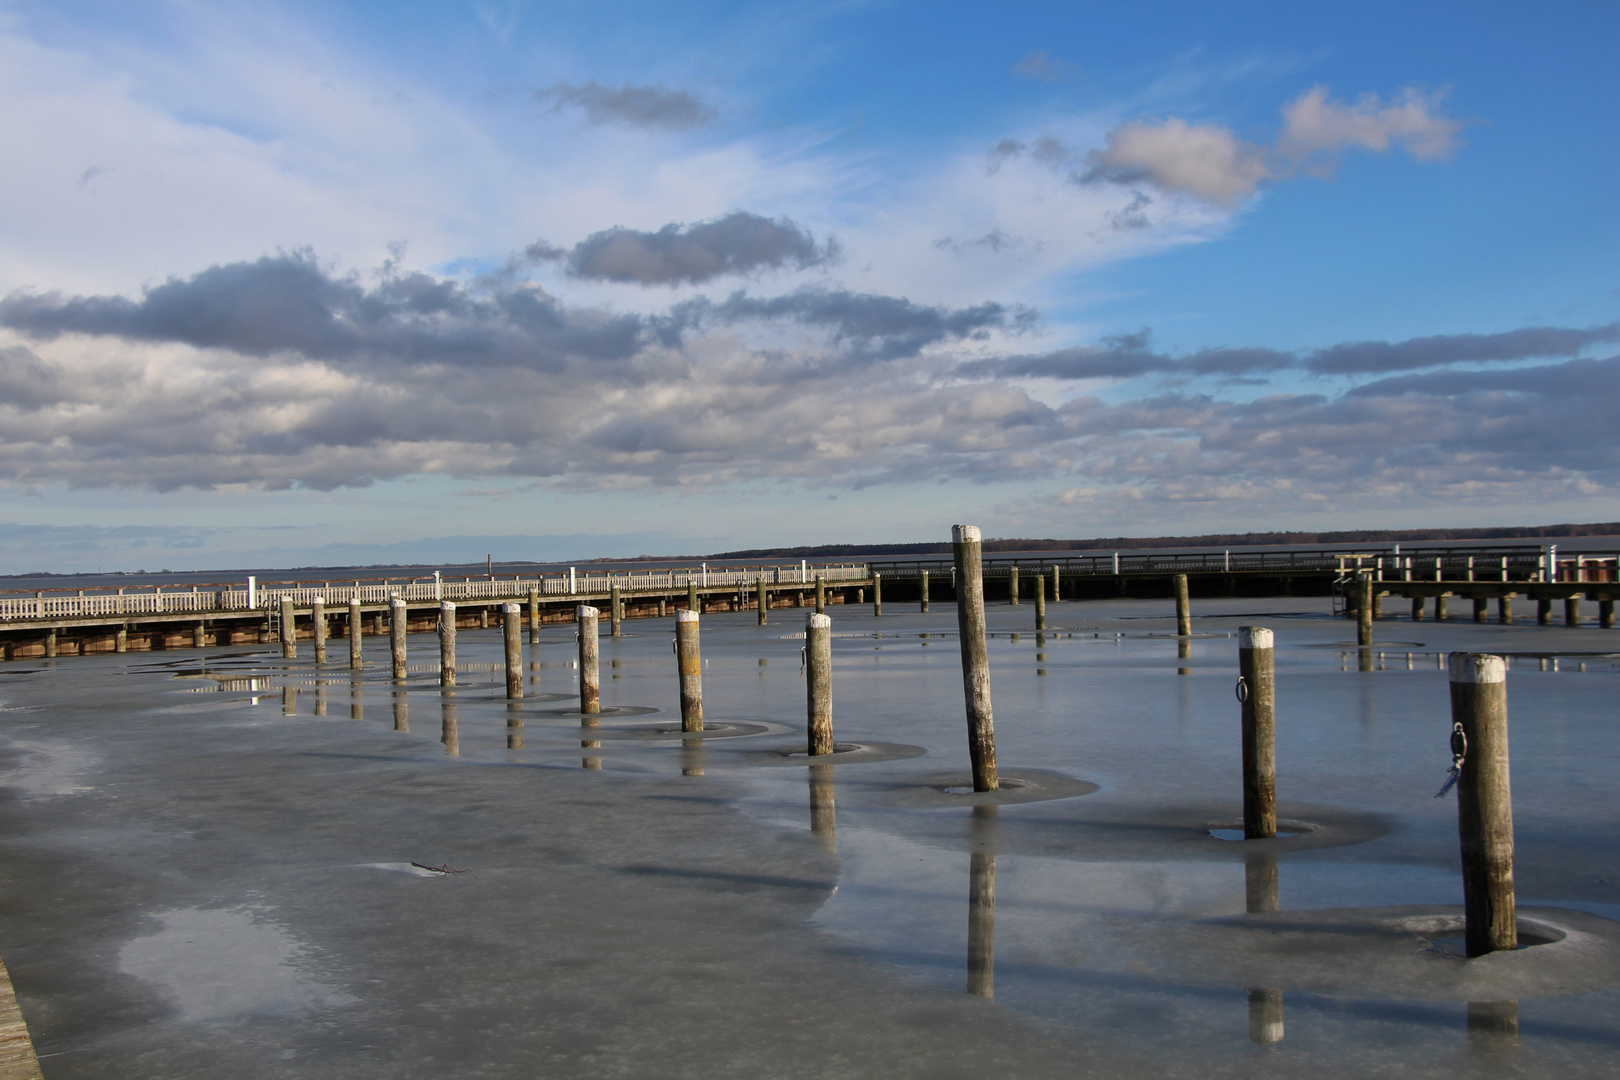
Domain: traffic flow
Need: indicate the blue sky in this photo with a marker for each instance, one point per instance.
(292, 283)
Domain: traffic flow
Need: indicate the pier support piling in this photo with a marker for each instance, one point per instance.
(1364, 610)
(1040, 603)
(877, 594)
(1012, 585)
(1183, 608)
(615, 610)
(1606, 614)
(1504, 609)
(1544, 611)
(923, 593)
(821, 595)
(762, 599)
(1572, 611)
(1482, 608)
(534, 616)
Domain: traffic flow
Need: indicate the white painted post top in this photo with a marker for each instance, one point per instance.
(1254, 637)
(965, 534)
(354, 601)
(447, 605)
(817, 622)
(686, 615)
(511, 609)
(397, 602)
(585, 611)
(1473, 667)
(319, 600)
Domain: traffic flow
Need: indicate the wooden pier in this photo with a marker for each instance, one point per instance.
(79, 622)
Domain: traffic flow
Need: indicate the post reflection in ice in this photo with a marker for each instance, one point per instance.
(289, 701)
(1260, 894)
(514, 725)
(402, 720)
(692, 757)
(823, 811)
(981, 950)
(451, 732)
(1493, 1022)
(1183, 652)
(320, 697)
(356, 700)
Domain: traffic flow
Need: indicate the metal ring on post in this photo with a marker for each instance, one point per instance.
(1242, 690)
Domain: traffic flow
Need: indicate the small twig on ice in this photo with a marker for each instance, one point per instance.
(445, 869)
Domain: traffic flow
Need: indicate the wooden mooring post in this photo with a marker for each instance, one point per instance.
(512, 637)
(877, 593)
(317, 617)
(1012, 585)
(818, 683)
(762, 599)
(447, 643)
(1183, 609)
(289, 629)
(1257, 690)
(821, 595)
(397, 618)
(1484, 800)
(1040, 603)
(590, 658)
(923, 593)
(689, 664)
(692, 601)
(1364, 610)
(534, 616)
(967, 554)
(356, 631)
(615, 610)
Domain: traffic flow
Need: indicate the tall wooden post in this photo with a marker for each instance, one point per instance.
(317, 618)
(447, 643)
(821, 595)
(1183, 608)
(1482, 607)
(1417, 609)
(689, 663)
(693, 604)
(397, 620)
(877, 593)
(615, 612)
(1544, 611)
(512, 634)
(1606, 614)
(1504, 609)
(1364, 610)
(1572, 611)
(289, 629)
(1258, 692)
(1484, 801)
(818, 682)
(1040, 603)
(924, 591)
(534, 616)
(763, 599)
(590, 674)
(356, 630)
(967, 552)
(1057, 577)
(1012, 584)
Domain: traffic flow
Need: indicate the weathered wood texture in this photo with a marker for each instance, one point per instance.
(967, 551)
(1258, 670)
(1484, 801)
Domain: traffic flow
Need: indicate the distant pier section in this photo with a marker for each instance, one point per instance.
(49, 623)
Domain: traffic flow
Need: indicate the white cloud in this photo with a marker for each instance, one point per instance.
(1203, 160)
(1317, 128)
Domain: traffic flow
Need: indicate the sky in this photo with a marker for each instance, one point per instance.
(285, 284)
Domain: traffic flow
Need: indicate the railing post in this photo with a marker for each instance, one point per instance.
(1484, 800)
(689, 665)
(967, 558)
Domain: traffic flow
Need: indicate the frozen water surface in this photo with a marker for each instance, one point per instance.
(220, 863)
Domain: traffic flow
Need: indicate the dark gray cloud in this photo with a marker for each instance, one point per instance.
(1528, 343)
(677, 254)
(632, 106)
(1130, 356)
